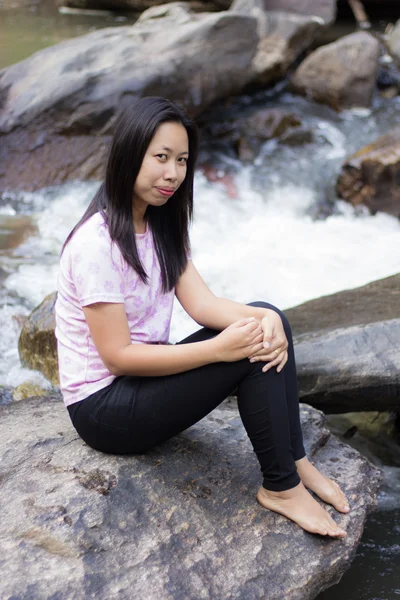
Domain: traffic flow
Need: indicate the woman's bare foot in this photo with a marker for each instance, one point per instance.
(325, 488)
(298, 505)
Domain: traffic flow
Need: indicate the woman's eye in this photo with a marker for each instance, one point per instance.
(162, 156)
(183, 160)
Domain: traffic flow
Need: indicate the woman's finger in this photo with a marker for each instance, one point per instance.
(282, 358)
(283, 363)
(254, 349)
(278, 361)
(248, 324)
(270, 356)
(257, 339)
(259, 357)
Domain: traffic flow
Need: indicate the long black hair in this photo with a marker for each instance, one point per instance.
(169, 223)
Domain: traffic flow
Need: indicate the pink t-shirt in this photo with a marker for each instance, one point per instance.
(92, 269)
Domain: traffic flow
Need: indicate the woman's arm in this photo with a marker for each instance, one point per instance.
(109, 329)
(207, 309)
(217, 313)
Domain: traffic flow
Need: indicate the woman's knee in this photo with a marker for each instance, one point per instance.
(285, 322)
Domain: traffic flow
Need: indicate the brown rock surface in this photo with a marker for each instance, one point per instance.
(37, 343)
(247, 134)
(371, 303)
(263, 125)
(341, 74)
(371, 176)
(283, 38)
(14, 229)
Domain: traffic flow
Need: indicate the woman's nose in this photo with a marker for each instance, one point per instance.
(170, 171)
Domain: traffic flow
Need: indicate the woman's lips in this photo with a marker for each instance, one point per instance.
(165, 191)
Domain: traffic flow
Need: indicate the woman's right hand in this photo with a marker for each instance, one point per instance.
(240, 340)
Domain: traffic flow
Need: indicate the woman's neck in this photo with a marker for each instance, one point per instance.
(139, 220)
(140, 227)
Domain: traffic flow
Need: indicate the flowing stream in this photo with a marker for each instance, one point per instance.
(280, 236)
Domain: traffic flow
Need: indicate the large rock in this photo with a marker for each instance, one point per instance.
(179, 523)
(284, 36)
(351, 369)
(247, 134)
(262, 125)
(341, 74)
(371, 303)
(37, 344)
(347, 348)
(371, 176)
(59, 105)
(325, 9)
(393, 43)
(139, 6)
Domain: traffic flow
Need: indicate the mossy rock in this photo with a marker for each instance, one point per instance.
(37, 344)
(28, 390)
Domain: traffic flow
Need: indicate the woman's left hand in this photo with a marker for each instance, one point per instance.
(274, 352)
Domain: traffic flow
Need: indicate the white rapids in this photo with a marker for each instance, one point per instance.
(254, 247)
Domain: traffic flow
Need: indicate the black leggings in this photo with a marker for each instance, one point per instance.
(134, 414)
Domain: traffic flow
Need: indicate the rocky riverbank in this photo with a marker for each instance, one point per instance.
(58, 106)
(182, 521)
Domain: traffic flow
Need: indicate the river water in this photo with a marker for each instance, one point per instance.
(281, 236)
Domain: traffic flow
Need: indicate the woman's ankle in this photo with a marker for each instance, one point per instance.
(288, 493)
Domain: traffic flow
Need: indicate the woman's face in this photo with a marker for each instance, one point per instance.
(163, 168)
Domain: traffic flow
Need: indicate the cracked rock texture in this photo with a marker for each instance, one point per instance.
(178, 523)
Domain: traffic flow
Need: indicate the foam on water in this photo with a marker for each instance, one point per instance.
(267, 248)
(254, 247)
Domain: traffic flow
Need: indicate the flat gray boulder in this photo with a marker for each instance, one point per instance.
(348, 348)
(58, 107)
(350, 369)
(181, 522)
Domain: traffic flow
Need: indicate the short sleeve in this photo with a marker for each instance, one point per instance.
(97, 270)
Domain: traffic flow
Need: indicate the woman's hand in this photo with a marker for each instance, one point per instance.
(240, 340)
(275, 344)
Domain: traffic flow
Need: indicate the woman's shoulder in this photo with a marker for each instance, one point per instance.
(94, 231)
(91, 247)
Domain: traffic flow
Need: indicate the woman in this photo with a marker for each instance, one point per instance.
(125, 387)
